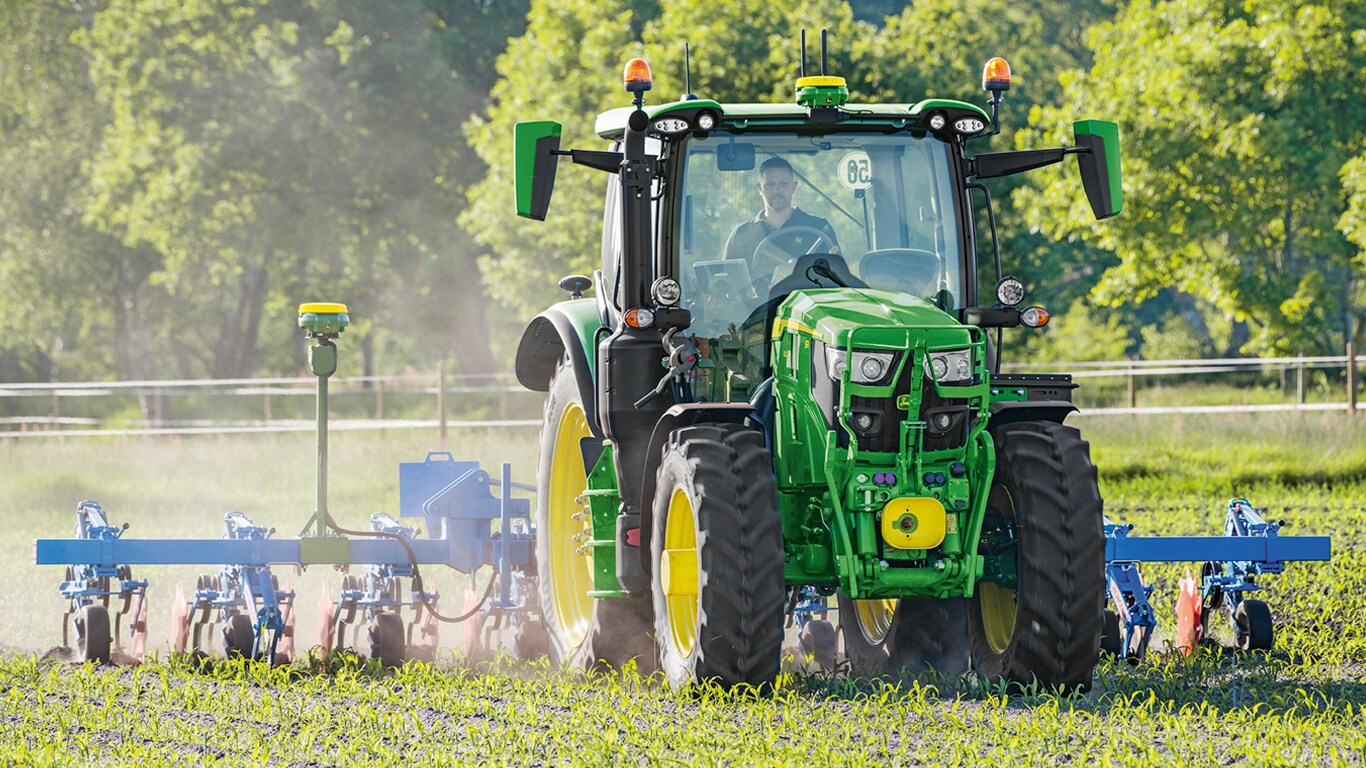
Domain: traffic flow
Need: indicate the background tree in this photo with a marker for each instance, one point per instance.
(1237, 121)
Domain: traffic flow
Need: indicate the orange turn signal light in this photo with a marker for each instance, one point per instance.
(996, 75)
(639, 318)
(1034, 317)
(637, 76)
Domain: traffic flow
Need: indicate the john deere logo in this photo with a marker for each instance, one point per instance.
(903, 402)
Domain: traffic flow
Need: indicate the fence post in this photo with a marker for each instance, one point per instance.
(1351, 376)
(1133, 393)
(1299, 383)
(269, 416)
(379, 400)
(441, 401)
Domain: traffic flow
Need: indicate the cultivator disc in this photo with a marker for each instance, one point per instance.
(326, 624)
(180, 621)
(1188, 623)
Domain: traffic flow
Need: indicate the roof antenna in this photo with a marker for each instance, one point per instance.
(688, 95)
(825, 60)
(802, 61)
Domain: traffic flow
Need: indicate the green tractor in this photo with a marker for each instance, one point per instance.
(787, 388)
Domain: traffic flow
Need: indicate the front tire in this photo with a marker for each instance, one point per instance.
(1047, 629)
(582, 632)
(717, 544)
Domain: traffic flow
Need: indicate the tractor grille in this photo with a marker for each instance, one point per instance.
(885, 434)
(933, 410)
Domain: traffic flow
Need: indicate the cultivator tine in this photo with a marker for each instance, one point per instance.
(423, 633)
(180, 621)
(284, 647)
(1188, 615)
(137, 647)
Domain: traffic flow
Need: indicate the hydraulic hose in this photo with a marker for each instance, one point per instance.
(417, 574)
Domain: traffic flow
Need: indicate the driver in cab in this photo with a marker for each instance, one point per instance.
(782, 229)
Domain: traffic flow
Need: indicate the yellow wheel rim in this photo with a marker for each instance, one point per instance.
(680, 538)
(998, 614)
(571, 573)
(874, 619)
(997, 603)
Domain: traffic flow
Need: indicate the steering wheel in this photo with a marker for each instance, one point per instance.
(804, 275)
(783, 245)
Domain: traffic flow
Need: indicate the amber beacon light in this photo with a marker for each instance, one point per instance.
(996, 75)
(637, 77)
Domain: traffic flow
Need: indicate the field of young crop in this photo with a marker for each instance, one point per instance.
(1300, 705)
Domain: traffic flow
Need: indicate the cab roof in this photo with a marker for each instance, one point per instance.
(612, 123)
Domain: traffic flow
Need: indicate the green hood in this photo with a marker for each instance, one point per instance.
(881, 317)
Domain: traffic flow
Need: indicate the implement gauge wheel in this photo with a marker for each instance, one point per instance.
(239, 637)
(1255, 631)
(905, 636)
(583, 632)
(1044, 514)
(717, 544)
(92, 634)
(1112, 635)
(386, 636)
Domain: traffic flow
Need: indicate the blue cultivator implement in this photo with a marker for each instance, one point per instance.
(89, 587)
(467, 527)
(455, 519)
(1231, 566)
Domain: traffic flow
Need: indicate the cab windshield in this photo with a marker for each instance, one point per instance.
(765, 214)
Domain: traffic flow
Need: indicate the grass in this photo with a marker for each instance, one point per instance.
(1301, 704)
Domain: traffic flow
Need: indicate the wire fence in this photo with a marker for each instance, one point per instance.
(427, 400)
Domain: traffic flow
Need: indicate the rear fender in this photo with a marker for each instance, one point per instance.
(564, 331)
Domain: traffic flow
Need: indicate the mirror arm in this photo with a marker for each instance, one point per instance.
(997, 164)
(602, 161)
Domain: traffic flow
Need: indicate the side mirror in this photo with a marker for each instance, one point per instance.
(1099, 165)
(534, 148)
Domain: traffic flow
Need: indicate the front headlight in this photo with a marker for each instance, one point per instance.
(868, 367)
(950, 366)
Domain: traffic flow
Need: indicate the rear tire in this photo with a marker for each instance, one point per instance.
(1255, 630)
(92, 634)
(910, 636)
(582, 632)
(716, 514)
(1047, 630)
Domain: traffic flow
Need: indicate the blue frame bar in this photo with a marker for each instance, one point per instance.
(1184, 549)
(238, 552)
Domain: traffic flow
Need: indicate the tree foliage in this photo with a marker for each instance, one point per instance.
(1238, 121)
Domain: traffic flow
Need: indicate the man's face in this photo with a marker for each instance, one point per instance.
(776, 186)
